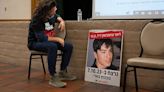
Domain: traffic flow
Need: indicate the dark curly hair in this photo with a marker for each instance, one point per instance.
(43, 8)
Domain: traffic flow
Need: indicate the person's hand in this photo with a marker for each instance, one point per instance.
(61, 41)
(56, 39)
(62, 26)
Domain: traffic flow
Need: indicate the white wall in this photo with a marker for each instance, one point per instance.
(15, 9)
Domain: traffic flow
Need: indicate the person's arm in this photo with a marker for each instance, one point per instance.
(61, 23)
(56, 39)
(61, 26)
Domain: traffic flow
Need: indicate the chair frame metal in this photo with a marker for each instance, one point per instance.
(31, 57)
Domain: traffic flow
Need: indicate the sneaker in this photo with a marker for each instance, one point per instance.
(63, 75)
(55, 81)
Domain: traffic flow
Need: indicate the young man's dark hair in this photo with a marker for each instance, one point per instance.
(98, 43)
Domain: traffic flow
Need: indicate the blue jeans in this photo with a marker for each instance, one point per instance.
(51, 48)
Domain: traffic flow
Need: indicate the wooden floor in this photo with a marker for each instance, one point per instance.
(13, 78)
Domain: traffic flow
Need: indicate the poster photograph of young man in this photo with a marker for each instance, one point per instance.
(103, 62)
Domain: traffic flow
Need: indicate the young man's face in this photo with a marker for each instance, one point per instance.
(104, 56)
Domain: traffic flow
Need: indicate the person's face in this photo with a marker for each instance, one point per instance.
(52, 11)
(104, 56)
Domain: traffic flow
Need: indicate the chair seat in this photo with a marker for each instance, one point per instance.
(34, 52)
(146, 62)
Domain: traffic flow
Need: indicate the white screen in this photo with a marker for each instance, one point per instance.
(128, 9)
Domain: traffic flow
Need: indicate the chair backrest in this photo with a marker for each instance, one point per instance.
(152, 38)
(59, 33)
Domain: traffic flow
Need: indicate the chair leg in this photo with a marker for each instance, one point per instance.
(135, 75)
(29, 69)
(43, 64)
(125, 74)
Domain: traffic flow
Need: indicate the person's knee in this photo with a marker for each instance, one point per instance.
(68, 45)
(52, 46)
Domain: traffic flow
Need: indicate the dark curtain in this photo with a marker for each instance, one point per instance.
(70, 8)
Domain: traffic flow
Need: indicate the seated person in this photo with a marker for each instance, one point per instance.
(41, 37)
